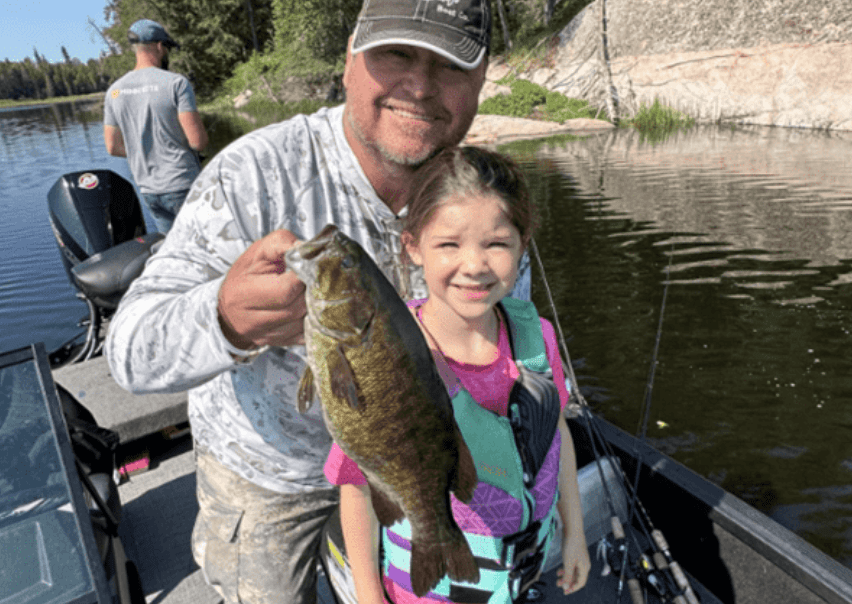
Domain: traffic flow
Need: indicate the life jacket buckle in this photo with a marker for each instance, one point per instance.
(526, 574)
(522, 544)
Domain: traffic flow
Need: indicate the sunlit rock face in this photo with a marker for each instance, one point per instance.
(781, 63)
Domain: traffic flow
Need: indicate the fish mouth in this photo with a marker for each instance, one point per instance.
(299, 257)
(313, 248)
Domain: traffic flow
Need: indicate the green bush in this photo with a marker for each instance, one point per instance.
(526, 97)
(559, 108)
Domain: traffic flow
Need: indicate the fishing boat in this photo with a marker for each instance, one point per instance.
(676, 536)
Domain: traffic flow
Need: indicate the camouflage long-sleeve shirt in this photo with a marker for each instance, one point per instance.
(297, 175)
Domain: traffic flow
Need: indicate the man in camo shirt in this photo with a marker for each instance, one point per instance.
(215, 312)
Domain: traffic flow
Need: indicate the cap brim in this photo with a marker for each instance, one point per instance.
(450, 44)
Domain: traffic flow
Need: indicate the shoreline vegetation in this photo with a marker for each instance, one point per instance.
(92, 97)
(225, 123)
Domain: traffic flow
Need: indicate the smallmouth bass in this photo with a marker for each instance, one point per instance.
(384, 402)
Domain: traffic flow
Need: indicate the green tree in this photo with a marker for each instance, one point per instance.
(321, 27)
(215, 35)
(45, 72)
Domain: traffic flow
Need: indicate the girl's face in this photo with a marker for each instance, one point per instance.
(469, 252)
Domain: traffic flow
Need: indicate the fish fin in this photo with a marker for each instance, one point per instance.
(342, 377)
(465, 480)
(305, 397)
(386, 510)
(431, 561)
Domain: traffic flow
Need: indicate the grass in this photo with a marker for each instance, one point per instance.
(94, 96)
(531, 100)
(656, 121)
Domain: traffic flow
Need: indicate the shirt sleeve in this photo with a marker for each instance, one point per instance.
(340, 469)
(165, 336)
(109, 114)
(185, 96)
(555, 360)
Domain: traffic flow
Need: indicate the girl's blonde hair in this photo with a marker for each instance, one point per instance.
(469, 171)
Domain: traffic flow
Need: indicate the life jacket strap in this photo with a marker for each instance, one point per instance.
(507, 565)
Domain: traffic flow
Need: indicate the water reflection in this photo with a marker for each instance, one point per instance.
(751, 228)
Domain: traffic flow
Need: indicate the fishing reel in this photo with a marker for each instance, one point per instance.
(648, 574)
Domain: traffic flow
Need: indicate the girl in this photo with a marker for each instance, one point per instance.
(469, 221)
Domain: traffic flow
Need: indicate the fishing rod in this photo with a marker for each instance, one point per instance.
(662, 557)
(656, 535)
(646, 408)
(620, 543)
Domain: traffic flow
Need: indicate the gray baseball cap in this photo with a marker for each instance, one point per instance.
(145, 31)
(459, 30)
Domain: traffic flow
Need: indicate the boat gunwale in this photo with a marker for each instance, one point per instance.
(781, 547)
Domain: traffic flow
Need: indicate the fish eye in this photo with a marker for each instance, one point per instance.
(348, 261)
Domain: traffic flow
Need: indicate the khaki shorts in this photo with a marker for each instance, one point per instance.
(257, 546)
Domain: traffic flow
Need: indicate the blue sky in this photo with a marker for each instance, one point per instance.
(48, 25)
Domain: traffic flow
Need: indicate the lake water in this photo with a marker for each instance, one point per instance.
(752, 229)
(37, 146)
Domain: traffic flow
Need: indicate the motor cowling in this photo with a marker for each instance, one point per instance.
(97, 220)
(91, 212)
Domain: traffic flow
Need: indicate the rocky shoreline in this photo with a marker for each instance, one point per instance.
(499, 129)
(772, 63)
(789, 85)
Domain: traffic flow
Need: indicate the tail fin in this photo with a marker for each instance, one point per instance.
(431, 561)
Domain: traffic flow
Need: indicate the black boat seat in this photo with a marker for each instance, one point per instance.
(105, 276)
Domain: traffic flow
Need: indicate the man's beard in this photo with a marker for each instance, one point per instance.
(396, 157)
(164, 63)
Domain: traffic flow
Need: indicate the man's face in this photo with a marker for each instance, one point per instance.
(405, 103)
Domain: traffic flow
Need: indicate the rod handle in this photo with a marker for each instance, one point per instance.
(617, 529)
(681, 581)
(660, 561)
(680, 578)
(658, 538)
(635, 591)
(679, 600)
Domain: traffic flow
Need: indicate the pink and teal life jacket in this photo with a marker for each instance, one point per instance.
(517, 461)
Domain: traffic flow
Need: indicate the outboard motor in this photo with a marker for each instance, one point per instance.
(97, 220)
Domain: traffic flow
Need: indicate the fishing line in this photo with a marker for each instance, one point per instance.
(575, 388)
(588, 417)
(649, 387)
(646, 413)
(662, 558)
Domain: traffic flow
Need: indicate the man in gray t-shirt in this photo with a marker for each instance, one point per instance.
(150, 118)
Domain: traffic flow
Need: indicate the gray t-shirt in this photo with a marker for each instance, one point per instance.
(297, 175)
(144, 104)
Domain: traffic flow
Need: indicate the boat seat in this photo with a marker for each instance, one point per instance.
(105, 276)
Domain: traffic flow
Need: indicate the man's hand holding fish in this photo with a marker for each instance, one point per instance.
(260, 303)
